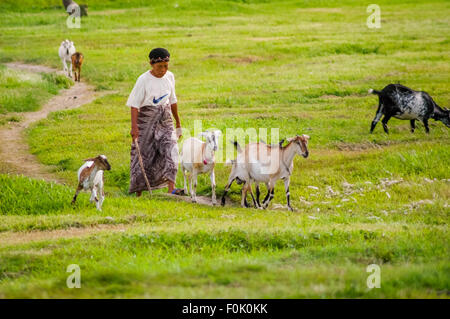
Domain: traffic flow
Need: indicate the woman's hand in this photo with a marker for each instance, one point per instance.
(134, 127)
(134, 132)
(179, 132)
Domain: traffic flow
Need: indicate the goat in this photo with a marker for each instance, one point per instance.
(198, 158)
(66, 50)
(401, 102)
(90, 177)
(262, 163)
(77, 61)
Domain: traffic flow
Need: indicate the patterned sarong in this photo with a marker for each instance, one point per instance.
(159, 149)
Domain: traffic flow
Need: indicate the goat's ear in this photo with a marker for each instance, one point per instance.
(217, 133)
(89, 159)
(306, 136)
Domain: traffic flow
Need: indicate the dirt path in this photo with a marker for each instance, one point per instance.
(202, 200)
(14, 150)
(18, 238)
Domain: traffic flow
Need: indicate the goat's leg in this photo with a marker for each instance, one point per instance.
(413, 125)
(255, 204)
(190, 183)
(64, 65)
(79, 188)
(92, 198)
(79, 74)
(102, 195)
(227, 188)
(94, 194)
(266, 198)
(244, 196)
(194, 186)
(99, 201)
(288, 197)
(70, 70)
(213, 187)
(74, 70)
(270, 194)
(377, 117)
(258, 193)
(184, 178)
(384, 121)
(425, 123)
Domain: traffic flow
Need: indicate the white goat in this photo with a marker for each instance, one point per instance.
(262, 163)
(90, 177)
(198, 158)
(66, 50)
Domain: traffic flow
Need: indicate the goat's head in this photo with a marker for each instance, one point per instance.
(446, 117)
(300, 143)
(441, 114)
(67, 44)
(101, 162)
(212, 138)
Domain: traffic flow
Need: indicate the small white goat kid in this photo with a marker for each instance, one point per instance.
(90, 177)
(66, 49)
(198, 158)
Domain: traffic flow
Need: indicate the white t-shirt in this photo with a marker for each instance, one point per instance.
(150, 90)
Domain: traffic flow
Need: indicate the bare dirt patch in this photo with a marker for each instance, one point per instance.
(202, 200)
(264, 39)
(326, 10)
(247, 59)
(18, 238)
(362, 146)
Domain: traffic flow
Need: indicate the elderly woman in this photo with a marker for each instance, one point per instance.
(153, 102)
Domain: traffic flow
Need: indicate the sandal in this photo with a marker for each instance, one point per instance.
(178, 191)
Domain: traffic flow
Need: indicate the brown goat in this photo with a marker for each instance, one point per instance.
(77, 61)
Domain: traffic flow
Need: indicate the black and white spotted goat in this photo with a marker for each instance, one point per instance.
(401, 102)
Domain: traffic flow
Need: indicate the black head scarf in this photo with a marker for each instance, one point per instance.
(159, 55)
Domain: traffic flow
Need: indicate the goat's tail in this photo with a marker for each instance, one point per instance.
(238, 147)
(372, 91)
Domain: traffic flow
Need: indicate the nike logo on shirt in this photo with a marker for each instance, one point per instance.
(156, 101)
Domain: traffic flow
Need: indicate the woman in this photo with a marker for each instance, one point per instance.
(152, 102)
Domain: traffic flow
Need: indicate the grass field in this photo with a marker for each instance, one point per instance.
(300, 66)
(23, 91)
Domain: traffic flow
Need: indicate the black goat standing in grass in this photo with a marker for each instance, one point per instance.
(401, 102)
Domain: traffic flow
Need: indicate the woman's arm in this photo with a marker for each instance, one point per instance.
(134, 127)
(174, 108)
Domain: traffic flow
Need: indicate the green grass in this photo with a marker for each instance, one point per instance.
(299, 66)
(25, 92)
